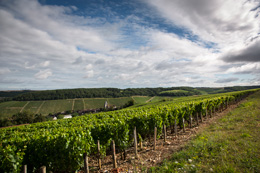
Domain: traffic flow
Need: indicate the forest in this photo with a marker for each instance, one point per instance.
(28, 95)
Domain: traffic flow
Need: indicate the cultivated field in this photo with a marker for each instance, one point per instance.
(53, 106)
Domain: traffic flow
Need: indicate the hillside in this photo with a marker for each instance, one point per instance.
(46, 107)
(227, 143)
(27, 95)
(65, 141)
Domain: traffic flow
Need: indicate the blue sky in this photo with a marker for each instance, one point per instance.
(55, 44)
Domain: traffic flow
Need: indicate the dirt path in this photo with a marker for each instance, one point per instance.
(134, 99)
(38, 110)
(147, 157)
(24, 106)
(149, 100)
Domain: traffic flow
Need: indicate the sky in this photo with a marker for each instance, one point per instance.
(56, 44)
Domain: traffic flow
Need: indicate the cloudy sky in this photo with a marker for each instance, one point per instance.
(54, 44)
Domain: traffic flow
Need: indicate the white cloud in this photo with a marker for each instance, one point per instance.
(246, 69)
(227, 80)
(249, 53)
(4, 71)
(88, 67)
(219, 21)
(35, 36)
(43, 74)
(45, 64)
(89, 74)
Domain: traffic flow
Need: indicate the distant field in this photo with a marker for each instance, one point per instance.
(33, 106)
(95, 103)
(174, 91)
(140, 99)
(118, 101)
(78, 104)
(54, 106)
(10, 108)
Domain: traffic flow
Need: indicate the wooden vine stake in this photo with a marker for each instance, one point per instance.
(183, 125)
(201, 117)
(164, 132)
(197, 118)
(175, 127)
(206, 114)
(190, 121)
(24, 168)
(86, 167)
(141, 143)
(99, 155)
(135, 143)
(155, 136)
(43, 169)
(114, 154)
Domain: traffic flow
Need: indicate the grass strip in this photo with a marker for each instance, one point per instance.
(231, 144)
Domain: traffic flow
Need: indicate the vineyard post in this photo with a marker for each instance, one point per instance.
(175, 127)
(99, 159)
(183, 125)
(43, 169)
(135, 142)
(114, 154)
(164, 132)
(86, 168)
(210, 112)
(124, 153)
(201, 117)
(227, 104)
(206, 114)
(155, 136)
(197, 118)
(24, 168)
(190, 121)
(141, 142)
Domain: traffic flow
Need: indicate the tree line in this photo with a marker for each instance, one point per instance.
(28, 95)
(96, 93)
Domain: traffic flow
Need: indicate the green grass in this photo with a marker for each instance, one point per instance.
(118, 101)
(10, 108)
(174, 91)
(95, 103)
(140, 99)
(231, 144)
(54, 106)
(202, 92)
(33, 106)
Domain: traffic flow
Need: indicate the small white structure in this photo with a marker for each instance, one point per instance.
(106, 105)
(67, 116)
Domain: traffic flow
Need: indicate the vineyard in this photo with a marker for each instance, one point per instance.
(60, 145)
(7, 109)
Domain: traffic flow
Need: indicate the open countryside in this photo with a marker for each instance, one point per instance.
(139, 86)
(54, 106)
(180, 115)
